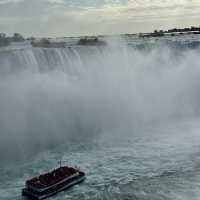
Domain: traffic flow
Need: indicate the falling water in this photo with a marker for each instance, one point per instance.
(126, 113)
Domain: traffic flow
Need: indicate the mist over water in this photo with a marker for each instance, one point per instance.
(127, 113)
(56, 96)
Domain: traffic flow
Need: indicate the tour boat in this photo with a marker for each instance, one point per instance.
(49, 184)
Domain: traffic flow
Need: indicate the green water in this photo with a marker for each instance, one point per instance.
(127, 114)
(157, 164)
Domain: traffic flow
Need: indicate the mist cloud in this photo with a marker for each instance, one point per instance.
(56, 96)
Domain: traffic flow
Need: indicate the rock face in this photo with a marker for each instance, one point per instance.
(45, 43)
(91, 41)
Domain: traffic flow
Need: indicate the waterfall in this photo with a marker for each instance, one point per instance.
(52, 96)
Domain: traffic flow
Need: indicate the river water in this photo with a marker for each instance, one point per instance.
(127, 114)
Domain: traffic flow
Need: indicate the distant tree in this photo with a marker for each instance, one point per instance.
(4, 41)
(31, 38)
(42, 43)
(90, 41)
(2, 35)
(141, 35)
(18, 37)
(45, 41)
(157, 33)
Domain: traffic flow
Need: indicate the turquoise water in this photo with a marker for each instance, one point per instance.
(127, 115)
(157, 164)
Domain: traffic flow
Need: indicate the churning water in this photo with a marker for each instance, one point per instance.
(126, 113)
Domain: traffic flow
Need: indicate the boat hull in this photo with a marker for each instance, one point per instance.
(33, 195)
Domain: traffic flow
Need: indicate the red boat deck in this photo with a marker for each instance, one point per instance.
(51, 178)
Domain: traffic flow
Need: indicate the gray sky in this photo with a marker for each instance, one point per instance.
(81, 17)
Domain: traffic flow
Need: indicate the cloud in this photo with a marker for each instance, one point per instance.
(76, 17)
(9, 1)
(56, 1)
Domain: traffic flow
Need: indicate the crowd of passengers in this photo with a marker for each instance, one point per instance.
(52, 177)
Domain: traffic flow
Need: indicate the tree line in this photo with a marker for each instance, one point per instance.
(6, 40)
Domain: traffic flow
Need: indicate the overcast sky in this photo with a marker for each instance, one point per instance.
(81, 17)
